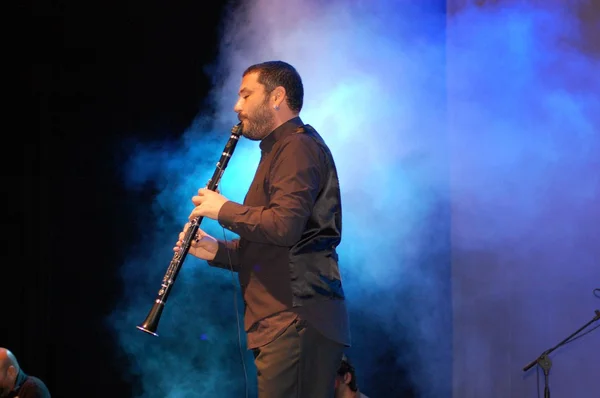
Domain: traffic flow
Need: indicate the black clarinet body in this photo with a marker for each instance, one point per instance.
(150, 324)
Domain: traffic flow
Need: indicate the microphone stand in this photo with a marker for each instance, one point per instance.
(544, 361)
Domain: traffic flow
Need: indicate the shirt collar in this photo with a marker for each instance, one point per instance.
(280, 132)
(20, 380)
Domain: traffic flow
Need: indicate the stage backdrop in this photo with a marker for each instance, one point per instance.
(466, 138)
(524, 128)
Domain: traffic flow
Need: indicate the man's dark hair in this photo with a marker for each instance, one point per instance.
(272, 74)
(346, 367)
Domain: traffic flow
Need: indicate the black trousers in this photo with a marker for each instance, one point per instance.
(300, 363)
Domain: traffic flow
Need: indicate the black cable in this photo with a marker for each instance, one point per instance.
(537, 379)
(582, 334)
(237, 315)
(597, 292)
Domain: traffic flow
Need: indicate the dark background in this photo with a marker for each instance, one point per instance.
(98, 71)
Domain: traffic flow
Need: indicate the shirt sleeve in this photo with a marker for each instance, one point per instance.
(227, 256)
(295, 181)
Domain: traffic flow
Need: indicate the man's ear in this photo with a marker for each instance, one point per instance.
(12, 372)
(278, 95)
(347, 378)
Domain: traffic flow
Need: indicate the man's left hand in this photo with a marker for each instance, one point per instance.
(208, 204)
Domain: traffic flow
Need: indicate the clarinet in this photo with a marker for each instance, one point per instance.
(150, 324)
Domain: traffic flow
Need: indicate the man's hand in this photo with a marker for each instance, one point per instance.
(203, 246)
(208, 204)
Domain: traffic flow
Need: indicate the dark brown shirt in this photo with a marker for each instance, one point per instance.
(271, 219)
(29, 387)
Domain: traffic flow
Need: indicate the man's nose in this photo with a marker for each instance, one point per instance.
(237, 108)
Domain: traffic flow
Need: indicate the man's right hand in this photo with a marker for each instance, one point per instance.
(203, 246)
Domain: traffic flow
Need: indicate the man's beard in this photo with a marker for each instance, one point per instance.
(260, 125)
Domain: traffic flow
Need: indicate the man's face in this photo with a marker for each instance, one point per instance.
(253, 109)
(7, 380)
